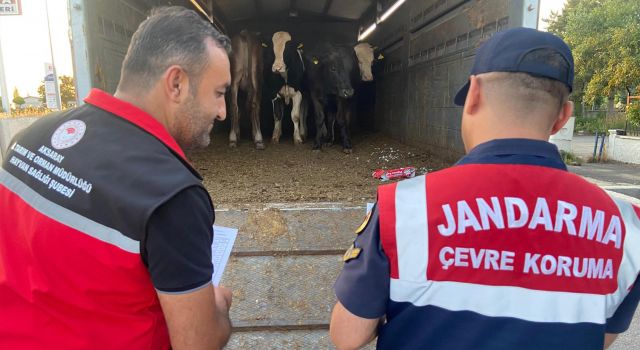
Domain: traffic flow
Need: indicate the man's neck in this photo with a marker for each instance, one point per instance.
(145, 103)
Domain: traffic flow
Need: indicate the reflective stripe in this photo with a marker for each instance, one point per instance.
(503, 301)
(630, 266)
(411, 229)
(66, 216)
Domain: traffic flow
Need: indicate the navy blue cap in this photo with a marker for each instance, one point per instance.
(508, 51)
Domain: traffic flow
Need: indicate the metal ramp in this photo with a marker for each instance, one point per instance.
(282, 269)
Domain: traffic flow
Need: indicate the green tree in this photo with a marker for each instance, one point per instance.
(604, 36)
(67, 90)
(17, 99)
(41, 92)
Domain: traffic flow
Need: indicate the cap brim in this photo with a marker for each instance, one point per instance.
(461, 96)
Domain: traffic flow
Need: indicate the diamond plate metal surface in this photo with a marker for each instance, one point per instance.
(292, 340)
(292, 230)
(281, 291)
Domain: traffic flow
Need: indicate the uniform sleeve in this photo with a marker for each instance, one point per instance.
(621, 319)
(178, 242)
(363, 285)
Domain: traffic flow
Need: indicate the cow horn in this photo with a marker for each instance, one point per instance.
(264, 45)
(380, 57)
(301, 45)
(316, 60)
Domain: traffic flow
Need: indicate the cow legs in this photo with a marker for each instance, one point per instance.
(344, 119)
(319, 119)
(295, 117)
(331, 121)
(235, 124)
(303, 118)
(278, 111)
(254, 107)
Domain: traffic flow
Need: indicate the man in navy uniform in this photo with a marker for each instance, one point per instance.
(506, 249)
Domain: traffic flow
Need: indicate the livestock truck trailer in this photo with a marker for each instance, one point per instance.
(427, 45)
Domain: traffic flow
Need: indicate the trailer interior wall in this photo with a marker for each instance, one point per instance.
(429, 46)
(101, 32)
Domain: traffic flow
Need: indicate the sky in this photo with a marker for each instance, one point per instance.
(25, 42)
(546, 6)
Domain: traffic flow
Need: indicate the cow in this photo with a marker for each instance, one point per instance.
(364, 54)
(333, 73)
(288, 69)
(246, 73)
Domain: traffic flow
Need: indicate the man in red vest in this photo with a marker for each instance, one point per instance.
(506, 249)
(106, 229)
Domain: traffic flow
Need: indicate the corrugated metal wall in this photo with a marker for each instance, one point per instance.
(102, 32)
(429, 47)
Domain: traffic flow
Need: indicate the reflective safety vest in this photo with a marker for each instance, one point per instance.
(525, 242)
(76, 192)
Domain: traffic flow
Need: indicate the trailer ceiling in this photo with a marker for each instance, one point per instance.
(239, 10)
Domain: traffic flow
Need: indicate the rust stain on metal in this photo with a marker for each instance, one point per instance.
(265, 226)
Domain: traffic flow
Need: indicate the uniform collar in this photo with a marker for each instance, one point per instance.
(515, 151)
(136, 116)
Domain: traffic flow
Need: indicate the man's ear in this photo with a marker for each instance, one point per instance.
(563, 117)
(176, 83)
(474, 96)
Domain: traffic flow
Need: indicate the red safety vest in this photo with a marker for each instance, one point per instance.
(76, 191)
(521, 241)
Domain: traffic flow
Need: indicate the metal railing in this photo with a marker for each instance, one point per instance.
(631, 130)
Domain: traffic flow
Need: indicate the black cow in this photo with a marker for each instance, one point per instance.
(332, 74)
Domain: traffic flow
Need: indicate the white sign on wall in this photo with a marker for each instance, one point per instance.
(10, 7)
(50, 81)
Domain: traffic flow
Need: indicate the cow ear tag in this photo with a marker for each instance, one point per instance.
(351, 253)
(380, 57)
(264, 45)
(364, 223)
(301, 45)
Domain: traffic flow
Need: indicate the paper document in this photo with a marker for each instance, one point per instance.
(223, 239)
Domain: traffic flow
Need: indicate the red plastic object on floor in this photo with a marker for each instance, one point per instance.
(391, 174)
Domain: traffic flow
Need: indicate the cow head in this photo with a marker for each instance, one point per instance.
(336, 68)
(280, 40)
(364, 53)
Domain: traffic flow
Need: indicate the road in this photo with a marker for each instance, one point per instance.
(617, 177)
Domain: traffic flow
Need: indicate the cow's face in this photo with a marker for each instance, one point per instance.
(364, 53)
(336, 70)
(280, 40)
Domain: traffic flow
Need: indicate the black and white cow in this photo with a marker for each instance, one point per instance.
(333, 72)
(284, 86)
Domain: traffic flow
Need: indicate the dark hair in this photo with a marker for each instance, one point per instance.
(170, 35)
(531, 90)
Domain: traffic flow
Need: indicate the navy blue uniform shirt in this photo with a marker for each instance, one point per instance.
(363, 285)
